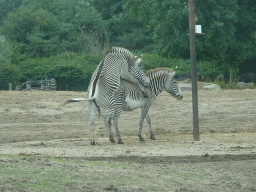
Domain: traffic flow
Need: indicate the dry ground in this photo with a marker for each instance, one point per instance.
(31, 126)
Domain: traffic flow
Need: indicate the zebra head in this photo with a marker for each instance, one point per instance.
(137, 72)
(172, 87)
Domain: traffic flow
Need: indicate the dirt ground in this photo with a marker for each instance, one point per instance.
(32, 125)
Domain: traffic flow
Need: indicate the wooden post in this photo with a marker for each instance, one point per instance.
(192, 22)
(42, 85)
(10, 86)
(27, 85)
(53, 85)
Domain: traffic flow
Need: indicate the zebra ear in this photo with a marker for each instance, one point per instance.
(137, 61)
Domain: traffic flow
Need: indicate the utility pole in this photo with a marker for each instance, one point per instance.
(192, 35)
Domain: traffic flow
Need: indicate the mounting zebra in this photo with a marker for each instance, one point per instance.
(130, 97)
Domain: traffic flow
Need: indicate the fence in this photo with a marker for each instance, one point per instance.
(45, 85)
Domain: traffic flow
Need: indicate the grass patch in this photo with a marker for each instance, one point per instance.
(224, 85)
(27, 173)
(54, 174)
(232, 85)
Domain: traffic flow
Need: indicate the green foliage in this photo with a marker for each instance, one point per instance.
(8, 6)
(151, 61)
(9, 73)
(229, 28)
(71, 71)
(22, 22)
(94, 41)
(36, 28)
(9, 56)
(169, 22)
(108, 8)
(223, 85)
(124, 30)
(208, 69)
(128, 32)
(205, 68)
(47, 28)
(5, 51)
(34, 31)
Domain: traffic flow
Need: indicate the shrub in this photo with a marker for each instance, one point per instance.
(71, 71)
(9, 73)
(223, 85)
(208, 69)
(151, 61)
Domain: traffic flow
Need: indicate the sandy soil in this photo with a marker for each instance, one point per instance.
(31, 118)
(31, 125)
(32, 115)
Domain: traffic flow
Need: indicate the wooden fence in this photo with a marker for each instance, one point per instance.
(45, 85)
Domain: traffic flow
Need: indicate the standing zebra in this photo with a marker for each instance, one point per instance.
(129, 97)
(116, 65)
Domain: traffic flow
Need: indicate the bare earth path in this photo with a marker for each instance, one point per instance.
(31, 126)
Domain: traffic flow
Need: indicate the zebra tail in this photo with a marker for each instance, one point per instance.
(74, 100)
(78, 100)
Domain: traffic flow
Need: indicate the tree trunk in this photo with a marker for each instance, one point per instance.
(230, 75)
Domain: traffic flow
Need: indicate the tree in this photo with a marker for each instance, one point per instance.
(8, 6)
(28, 27)
(229, 27)
(108, 8)
(127, 32)
(9, 72)
(9, 52)
(124, 30)
(44, 28)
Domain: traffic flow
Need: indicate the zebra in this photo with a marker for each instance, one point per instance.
(116, 65)
(129, 97)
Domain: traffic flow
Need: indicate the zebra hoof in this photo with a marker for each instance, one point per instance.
(141, 138)
(92, 142)
(152, 137)
(120, 141)
(112, 140)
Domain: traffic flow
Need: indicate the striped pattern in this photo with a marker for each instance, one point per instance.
(161, 79)
(129, 97)
(118, 63)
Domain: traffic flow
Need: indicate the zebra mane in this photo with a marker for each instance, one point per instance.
(120, 50)
(163, 69)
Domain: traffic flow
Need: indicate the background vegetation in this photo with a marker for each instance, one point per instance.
(67, 38)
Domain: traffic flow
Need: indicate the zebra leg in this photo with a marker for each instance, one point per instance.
(144, 113)
(152, 135)
(93, 110)
(107, 119)
(115, 119)
(141, 125)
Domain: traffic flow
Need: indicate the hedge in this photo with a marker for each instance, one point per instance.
(9, 73)
(72, 72)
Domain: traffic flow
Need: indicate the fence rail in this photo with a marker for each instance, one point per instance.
(45, 85)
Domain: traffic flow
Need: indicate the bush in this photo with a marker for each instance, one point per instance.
(208, 69)
(151, 61)
(9, 73)
(71, 71)
(223, 85)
